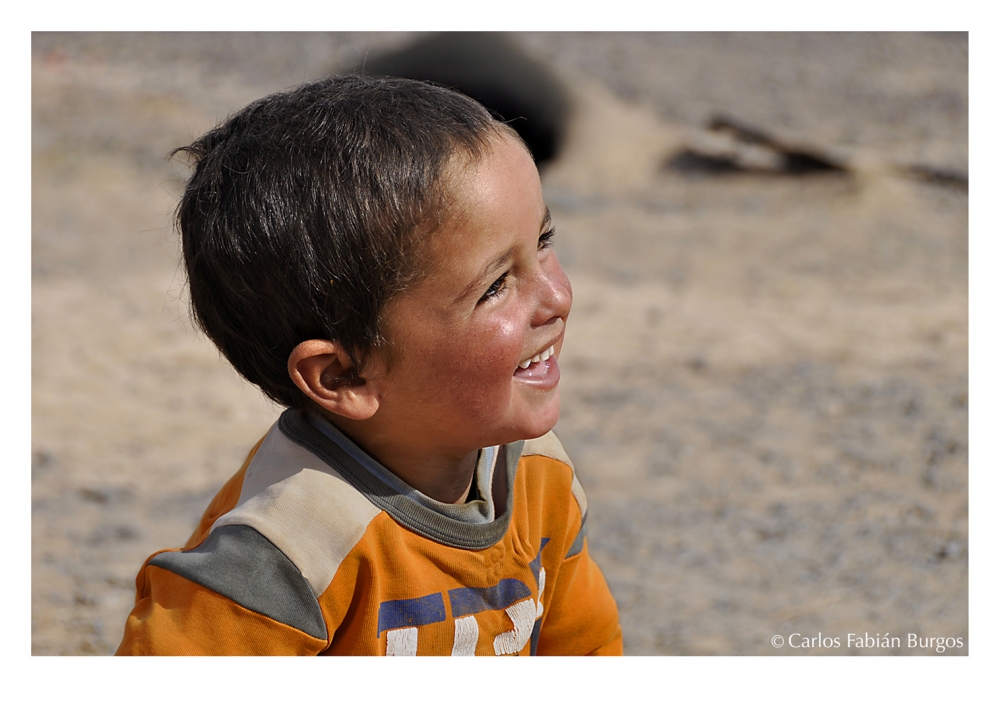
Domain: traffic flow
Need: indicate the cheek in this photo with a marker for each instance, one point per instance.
(464, 368)
(476, 371)
(495, 351)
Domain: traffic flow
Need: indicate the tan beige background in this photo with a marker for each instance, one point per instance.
(765, 379)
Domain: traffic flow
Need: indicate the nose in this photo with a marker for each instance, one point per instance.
(555, 294)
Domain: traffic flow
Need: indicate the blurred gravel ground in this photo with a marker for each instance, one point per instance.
(765, 377)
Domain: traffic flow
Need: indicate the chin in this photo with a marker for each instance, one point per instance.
(543, 422)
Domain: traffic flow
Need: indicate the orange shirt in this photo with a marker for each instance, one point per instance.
(305, 551)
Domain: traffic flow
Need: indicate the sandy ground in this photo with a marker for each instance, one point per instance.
(765, 376)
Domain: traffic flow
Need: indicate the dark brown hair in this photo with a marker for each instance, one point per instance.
(303, 216)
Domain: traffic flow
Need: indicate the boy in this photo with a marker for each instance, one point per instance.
(375, 255)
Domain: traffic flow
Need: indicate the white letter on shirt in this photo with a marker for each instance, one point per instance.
(513, 641)
(401, 643)
(466, 637)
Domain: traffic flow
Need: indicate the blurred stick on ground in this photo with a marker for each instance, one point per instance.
(766, 370)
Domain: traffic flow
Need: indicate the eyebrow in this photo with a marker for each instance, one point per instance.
(500, 260)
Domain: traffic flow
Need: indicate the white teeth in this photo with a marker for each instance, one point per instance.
(538, 357)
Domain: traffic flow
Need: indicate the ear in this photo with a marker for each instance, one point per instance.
(323, 371)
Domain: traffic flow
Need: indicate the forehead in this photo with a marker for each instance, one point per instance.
(490, 203)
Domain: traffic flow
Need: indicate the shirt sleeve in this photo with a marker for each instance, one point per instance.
(580, 615)
(583, 616)
(234, 594)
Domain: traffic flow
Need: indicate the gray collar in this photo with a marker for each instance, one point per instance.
(469, 526)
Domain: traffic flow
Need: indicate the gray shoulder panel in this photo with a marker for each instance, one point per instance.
(239, 563)
(577, 545)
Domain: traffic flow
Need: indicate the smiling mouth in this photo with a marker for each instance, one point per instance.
(537, 358)
(540, 371)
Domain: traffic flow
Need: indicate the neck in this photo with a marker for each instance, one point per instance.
(445, 476)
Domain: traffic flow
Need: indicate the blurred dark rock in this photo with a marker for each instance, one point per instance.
(489, 68)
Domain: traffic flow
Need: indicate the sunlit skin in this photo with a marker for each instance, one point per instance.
(494, 296)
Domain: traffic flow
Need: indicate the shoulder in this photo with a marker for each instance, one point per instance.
(241, 565)
(548, 447)
(278, 548)
(302, 506)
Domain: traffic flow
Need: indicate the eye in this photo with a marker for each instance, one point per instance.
(545, 241)
(494, 290)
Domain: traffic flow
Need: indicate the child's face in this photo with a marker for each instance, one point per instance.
(494, 298)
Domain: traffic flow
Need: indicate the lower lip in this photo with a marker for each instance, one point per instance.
(543, 375)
